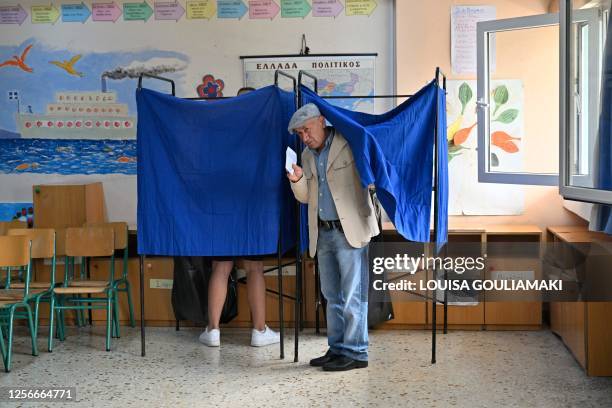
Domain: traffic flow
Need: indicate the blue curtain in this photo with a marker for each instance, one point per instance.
(395, 152)
(211, 178)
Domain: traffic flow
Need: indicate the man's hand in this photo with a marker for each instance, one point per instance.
(297, 174)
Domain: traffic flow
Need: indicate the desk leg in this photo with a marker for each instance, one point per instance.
(142, 310)
(281, 314)
(445, 303)
(298, 302)
(433, 323)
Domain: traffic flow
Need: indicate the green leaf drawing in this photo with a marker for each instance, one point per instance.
(465, 95)
(494, 160)
(452, 156)
(500, 96)
(507, 116)
(452, 149)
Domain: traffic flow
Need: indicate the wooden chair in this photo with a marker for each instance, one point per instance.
(121, 284)
(87, 242)
(7, 225)
(43, 247)
(15, 253)
(69, 265)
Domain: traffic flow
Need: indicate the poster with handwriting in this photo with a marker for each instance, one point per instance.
(463, 37)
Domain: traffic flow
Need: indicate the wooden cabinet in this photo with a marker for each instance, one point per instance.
(409, 311)
(62, 206)
(463, 242)
(158, 276)
(584, 327)
(599, 338)
(487, 313)
(516, 250)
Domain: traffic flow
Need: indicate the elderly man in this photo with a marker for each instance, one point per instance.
(341, 222)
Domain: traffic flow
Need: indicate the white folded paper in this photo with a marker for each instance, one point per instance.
(291, 158)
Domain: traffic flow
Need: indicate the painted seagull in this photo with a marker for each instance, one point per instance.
(19, 61)
(68, 65)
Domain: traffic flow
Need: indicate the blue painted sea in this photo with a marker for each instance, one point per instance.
(52, 156)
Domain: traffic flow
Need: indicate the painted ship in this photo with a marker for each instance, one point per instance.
(80, 115)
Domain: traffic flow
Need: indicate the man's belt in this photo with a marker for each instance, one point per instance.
(330, 224)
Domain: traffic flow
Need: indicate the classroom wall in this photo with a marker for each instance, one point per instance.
(423, 38)
(185, 50)
(422, 33)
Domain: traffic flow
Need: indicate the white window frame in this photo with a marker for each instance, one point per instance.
(485, 32)
(567, 183)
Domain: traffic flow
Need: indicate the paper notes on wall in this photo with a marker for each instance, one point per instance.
(463, 36)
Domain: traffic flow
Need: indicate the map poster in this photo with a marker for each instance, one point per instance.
(337, 76)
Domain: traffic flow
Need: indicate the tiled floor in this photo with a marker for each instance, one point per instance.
(474, 369)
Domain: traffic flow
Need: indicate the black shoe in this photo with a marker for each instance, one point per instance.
(320, 361)
(343, 363)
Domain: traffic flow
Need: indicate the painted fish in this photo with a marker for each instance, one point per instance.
(125, 159)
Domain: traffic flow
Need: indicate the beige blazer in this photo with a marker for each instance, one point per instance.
(353, 202)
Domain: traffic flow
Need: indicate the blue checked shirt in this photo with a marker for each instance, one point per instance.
(327, 208)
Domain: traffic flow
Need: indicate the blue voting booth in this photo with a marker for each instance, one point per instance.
(211, 178)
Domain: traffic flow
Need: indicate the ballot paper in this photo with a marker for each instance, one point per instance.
(291, 158)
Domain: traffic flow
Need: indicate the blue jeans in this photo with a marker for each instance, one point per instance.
(344, 283)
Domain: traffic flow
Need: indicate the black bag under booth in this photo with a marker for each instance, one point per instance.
(190, 290)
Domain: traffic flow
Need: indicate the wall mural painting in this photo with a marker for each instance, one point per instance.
(64, 112)
(23, 212)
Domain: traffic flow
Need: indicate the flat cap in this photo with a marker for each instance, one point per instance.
(301, 115)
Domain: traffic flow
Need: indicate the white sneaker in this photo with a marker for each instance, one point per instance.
(211, 337)
(264, 338)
